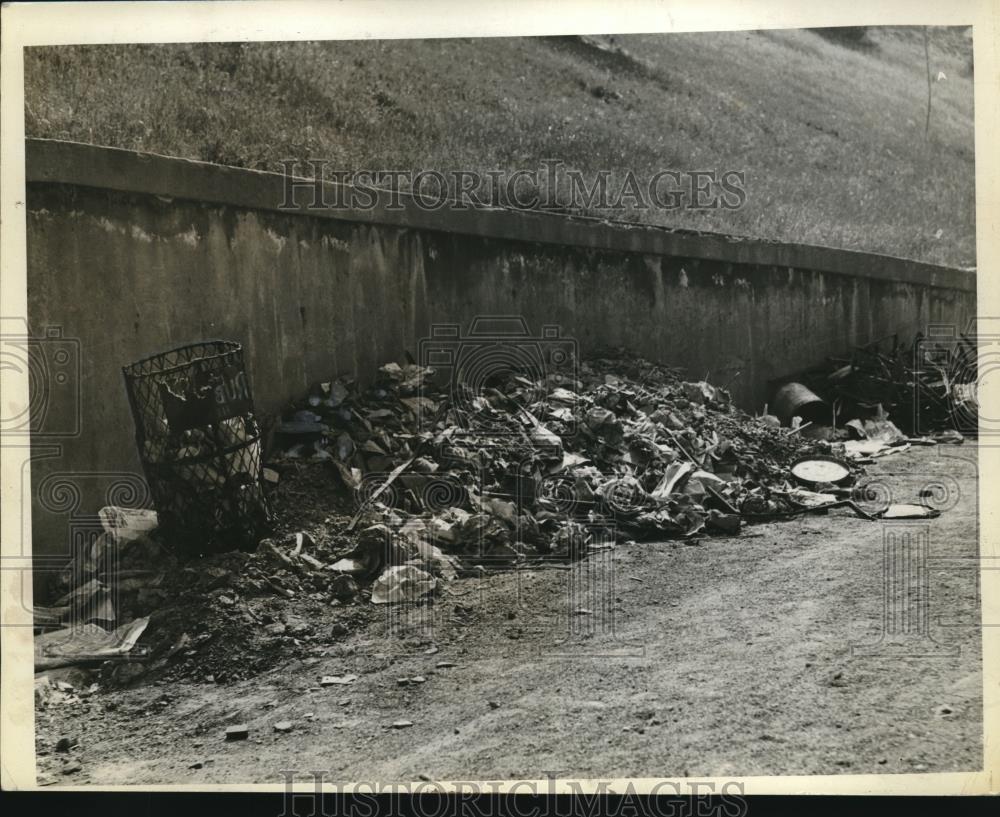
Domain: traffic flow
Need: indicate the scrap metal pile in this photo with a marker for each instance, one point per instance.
(925, 386)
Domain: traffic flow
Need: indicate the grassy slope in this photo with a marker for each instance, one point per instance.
(831, 138)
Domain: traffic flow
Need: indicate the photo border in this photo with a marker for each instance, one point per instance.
(176, 22)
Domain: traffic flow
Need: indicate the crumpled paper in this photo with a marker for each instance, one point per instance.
(402, 583)
(76, 645)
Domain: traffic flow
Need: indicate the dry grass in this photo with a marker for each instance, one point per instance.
(831, 137)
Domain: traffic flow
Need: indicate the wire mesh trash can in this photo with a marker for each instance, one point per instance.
(200, 445)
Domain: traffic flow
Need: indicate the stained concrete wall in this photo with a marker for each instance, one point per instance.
(130, 254)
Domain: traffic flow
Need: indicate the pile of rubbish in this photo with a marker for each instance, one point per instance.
(926, 387)
(387, 493)
(527, 468)
(136, 605)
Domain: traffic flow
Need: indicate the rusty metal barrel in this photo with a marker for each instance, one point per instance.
(794, 399)
(200, 445)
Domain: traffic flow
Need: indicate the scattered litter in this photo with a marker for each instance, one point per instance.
(860, 449)
(949, 436)
(283, 726)
(816, 470)
(880, 429)
(125, 525)
(402, 583)
(84, 644)
(810, 499)
(65, 744)
(723, 522)
(343, 588)
(401, 724)
(337, 680)
(239, 732)
(906, 511)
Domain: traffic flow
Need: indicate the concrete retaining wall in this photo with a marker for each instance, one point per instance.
(130, 254)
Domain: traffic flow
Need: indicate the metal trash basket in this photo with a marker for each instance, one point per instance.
(200, 445)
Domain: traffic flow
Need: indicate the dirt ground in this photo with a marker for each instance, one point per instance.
(747, 655)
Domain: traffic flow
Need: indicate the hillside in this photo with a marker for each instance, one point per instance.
(831, 136)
